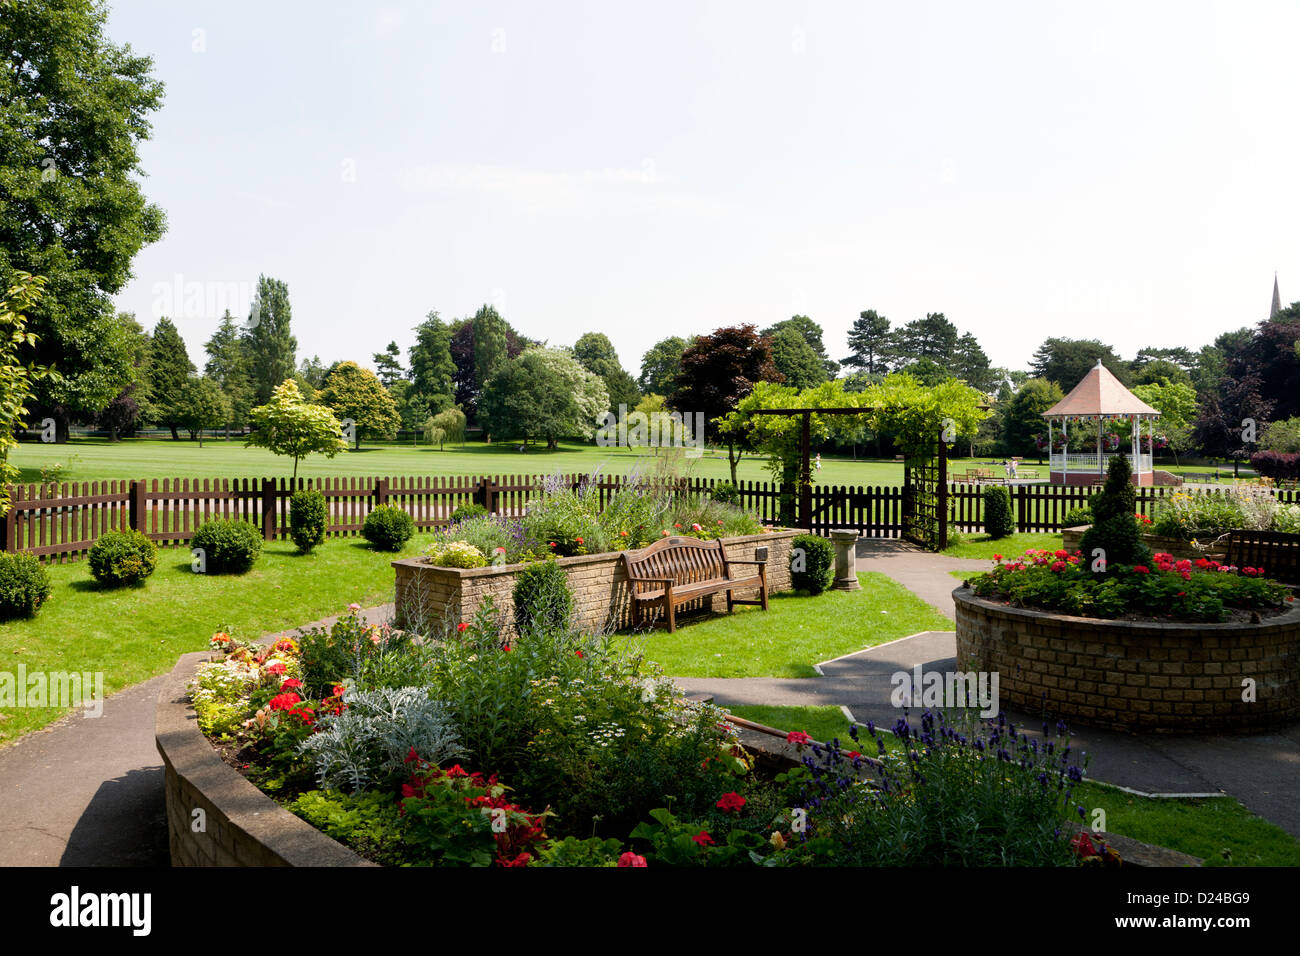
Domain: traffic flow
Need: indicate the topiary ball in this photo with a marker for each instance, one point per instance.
(122, 557)
(24, 585)
(228, 547)
(388, 528)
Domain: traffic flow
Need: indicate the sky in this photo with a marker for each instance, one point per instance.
(1117, 171)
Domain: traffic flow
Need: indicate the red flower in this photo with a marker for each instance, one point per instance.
(579, 653)
(276, 669)
(462, 626)
(853, 755)
(1058, 566)
(1062, 553)
(455, 770)
(997, 558)
(579, 540)
(411, 757)
(291, 684)
(703, 839)
(552, 544)
(521, 860)
(284, 701)
(631, 859)
(797, 737)
(506, 648)
(338, 690)
(676, 526)
(1141, 569)
(731, 801)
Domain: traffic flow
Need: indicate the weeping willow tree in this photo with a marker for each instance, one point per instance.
(447, 425)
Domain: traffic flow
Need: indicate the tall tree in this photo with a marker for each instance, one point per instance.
(355, 393)
(74, 109)
(1067, 361)
(970, 363)
(595, 352)
(388, 365)
(227, 365)
(433, 372)
(871, 343)
(132, 404)
(661, 365)
(203, 405)
(544, 393)
(1022, 420)
(932, 337)
(268, 343)
(811, 333)
(795, 359)
(169, 369)
(718, 370)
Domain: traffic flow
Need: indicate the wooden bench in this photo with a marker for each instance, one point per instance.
(1277, 552)
(675, 571)
(1027, 473)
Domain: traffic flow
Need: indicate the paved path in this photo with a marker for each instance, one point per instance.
(89, 792)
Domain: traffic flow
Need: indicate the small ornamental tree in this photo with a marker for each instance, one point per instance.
(998, 522)
(356, 393)
(289, 426)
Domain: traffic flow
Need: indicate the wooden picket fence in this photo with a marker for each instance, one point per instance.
(60, 522)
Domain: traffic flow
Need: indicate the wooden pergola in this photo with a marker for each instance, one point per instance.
(804, 512)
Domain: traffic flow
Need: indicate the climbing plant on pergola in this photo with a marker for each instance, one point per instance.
(922, 421)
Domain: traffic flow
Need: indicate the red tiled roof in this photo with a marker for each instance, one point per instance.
(1100, 393)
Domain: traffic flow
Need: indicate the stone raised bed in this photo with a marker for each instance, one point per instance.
(435, 597)
(1178, 678)
(237, 824)
(1157, 543)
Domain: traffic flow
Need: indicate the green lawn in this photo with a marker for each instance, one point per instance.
(981, 546)
(97, 459)
(1204, 828)
(132, 634)
(796, 632)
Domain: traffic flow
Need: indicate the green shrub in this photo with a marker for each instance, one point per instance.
(228, 546)
(468, 511)
(122, 557)
(725, 492)
(308, 517)
(567, 522)
(998, 522)
(812, 563)
(388, 528)
(24, 585)
(542, 597)
(1077, 517)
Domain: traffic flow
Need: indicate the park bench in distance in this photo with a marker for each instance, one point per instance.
(675, 571)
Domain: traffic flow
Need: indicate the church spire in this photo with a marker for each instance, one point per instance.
(1277, 299)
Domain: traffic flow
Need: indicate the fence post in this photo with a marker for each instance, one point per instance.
(268, 509)
(381, 491)
(1022, 508)
(139, 513)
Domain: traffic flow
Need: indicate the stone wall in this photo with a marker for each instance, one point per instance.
(1123, 675)
(236, 824)
(432, 597)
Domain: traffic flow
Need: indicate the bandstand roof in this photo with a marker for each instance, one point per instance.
(1100, 393)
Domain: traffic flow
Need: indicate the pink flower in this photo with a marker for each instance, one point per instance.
(1058, 566)
(276, 669)
(291, 683)
(354, 607)
(731, 801)
(797, 737)
(703, 839)
(631, 859)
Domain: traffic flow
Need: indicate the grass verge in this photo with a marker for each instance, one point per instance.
(981, 546)
(796, 632)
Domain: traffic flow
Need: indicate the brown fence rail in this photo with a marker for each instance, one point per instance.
(61, 521)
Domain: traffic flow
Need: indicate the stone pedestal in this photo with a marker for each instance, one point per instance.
(846, 560)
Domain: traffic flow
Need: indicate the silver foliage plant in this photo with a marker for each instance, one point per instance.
(371, 739)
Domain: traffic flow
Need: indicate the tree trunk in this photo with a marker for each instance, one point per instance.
(733, 459)
(175, 436)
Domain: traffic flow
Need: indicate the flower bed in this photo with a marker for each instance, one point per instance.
(1136, 675)
(437, 598)
(553, 749)
(1071, 538)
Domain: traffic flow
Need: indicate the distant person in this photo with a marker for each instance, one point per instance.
(817, 465)
(1011, 469)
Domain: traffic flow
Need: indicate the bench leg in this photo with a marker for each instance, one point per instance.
(762, 585)
(672, 616)
(729, 604)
